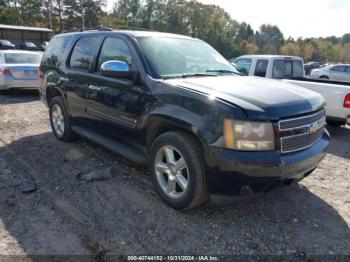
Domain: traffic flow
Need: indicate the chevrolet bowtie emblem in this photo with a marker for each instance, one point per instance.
(314, 127)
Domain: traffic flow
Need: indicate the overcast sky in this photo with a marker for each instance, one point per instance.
(296, 18)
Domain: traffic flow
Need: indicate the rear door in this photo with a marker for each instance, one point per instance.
(80, 65)
(338, 73)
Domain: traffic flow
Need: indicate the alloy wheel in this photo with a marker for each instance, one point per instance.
(171, 172)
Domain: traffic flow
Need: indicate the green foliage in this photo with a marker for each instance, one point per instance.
(188, 17)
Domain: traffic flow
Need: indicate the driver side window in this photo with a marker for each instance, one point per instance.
(243, 66)
(114, 49)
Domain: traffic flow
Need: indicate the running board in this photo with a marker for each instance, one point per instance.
(112, 145)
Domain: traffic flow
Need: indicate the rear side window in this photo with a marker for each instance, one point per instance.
(243, 66)
(338, 68)
(288, 69)
(84, 53)
(261, 68)
(55, 50)
(348, 69)
(114, 49)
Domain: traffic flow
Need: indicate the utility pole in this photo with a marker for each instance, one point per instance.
(50, 15)
(82, 14)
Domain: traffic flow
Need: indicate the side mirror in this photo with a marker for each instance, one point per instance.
(118, 69)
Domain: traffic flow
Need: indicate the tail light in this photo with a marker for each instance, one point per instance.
(6, 72)
(40, 73)
(347, 101)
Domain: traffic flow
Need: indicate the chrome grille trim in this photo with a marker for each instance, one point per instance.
(293, 143)
(299, 122)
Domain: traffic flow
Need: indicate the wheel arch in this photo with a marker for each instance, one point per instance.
(160, 124)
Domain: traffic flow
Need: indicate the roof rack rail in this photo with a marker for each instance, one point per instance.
(133, 28)
(108, 28)
(99, 28)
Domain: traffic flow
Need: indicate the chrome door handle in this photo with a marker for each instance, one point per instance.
(94, 87)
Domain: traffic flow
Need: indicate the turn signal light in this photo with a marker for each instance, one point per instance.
(347, 101)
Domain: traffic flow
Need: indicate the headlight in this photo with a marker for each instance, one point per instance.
(248, 136)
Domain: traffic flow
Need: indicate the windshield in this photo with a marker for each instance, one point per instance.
(169, 57)
(22, 58)
(30, 44)
(5, 42)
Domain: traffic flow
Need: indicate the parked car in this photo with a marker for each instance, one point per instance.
(29, 46)
(175, 104)
(311, 66)
(5, 44)
(291, 70)
(44, 45)
(339, 72)
(19, 69)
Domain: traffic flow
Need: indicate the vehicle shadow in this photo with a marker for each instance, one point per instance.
(123, 216)
(337, 146)
(14, 96)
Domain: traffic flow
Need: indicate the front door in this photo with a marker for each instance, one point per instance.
(115, 106)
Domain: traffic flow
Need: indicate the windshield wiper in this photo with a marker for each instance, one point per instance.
(189, 75)
(197, 74)
(223, 71)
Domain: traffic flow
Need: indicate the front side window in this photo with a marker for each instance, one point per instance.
(261, 68)
(22, 58)
(84, 53)
(348, 69)
(243, 66)
(168, 57)
(114, 49)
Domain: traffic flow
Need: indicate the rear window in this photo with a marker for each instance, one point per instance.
(55, 50)
(22, 58)
(287, 69)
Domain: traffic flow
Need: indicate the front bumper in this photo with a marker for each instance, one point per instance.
(240, 173)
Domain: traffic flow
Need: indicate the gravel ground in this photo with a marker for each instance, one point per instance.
(48, 208)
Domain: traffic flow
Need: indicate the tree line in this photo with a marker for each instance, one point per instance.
(208, 22)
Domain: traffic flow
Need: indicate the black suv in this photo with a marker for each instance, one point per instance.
(176, 104)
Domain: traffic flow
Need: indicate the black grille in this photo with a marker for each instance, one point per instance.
(295, 143)
(302, 121)
(302, 141)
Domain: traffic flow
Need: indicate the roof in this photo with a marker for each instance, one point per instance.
(25, 28)
(134, 33)
(269, 56)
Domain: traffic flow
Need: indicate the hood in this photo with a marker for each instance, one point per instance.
(260, 98)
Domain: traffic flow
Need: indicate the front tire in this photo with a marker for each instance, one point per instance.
(324, 77)
(60, 121)
(177, 170)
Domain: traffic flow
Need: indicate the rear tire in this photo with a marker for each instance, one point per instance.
(60, 121)
(177, 170)
(324, 77)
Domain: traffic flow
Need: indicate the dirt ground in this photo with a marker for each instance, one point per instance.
(45, 209)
